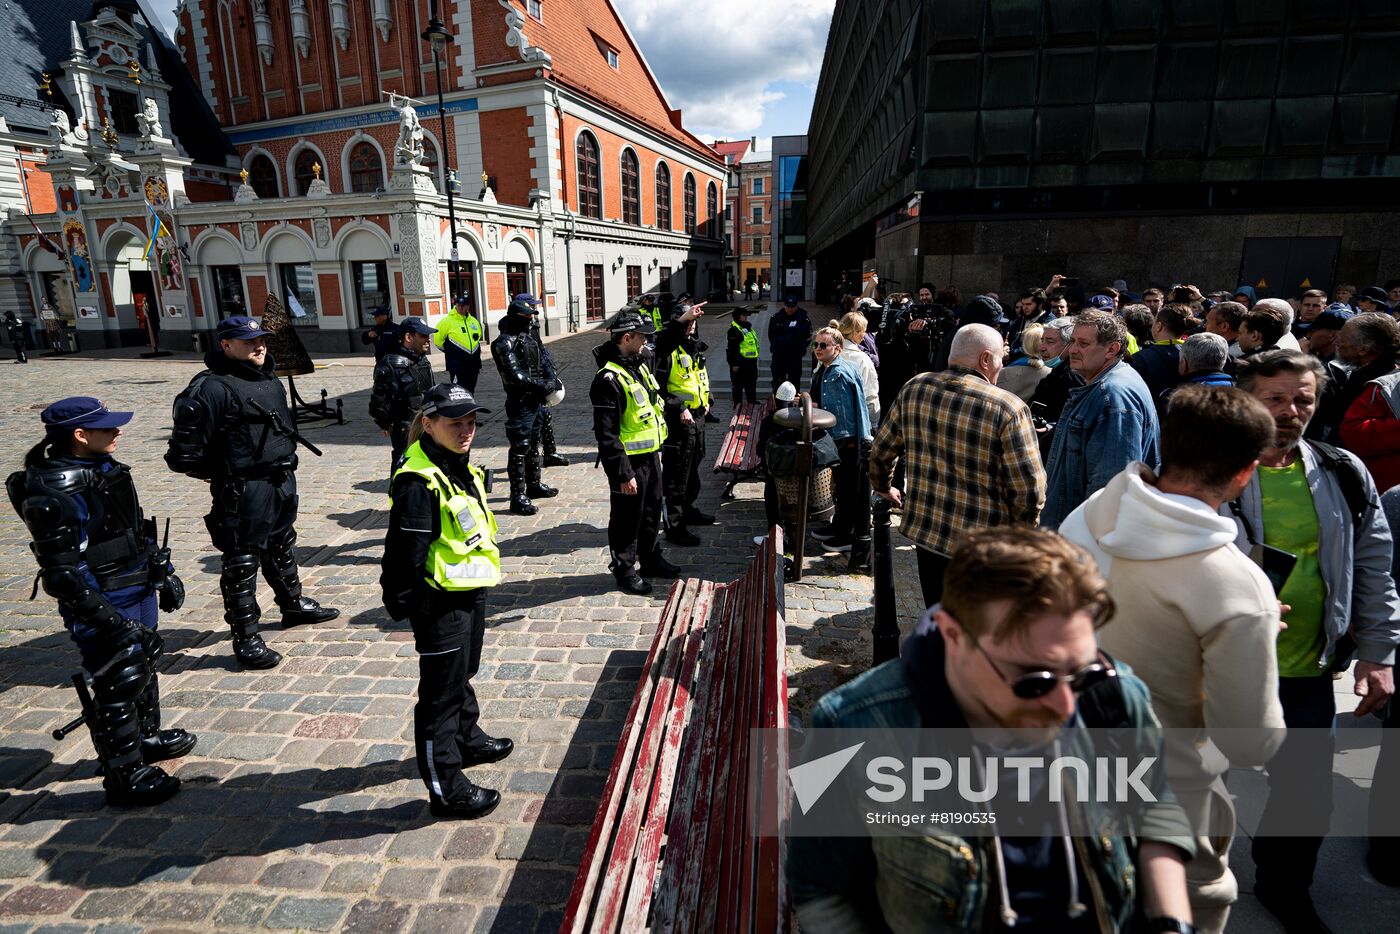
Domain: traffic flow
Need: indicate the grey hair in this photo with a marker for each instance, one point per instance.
(1064, 325)
(971, 340)
(1205, 352)
(1107, 327)
(1282, 306)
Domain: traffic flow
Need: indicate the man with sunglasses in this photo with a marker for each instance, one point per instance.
(1012, 646)
(1207, 651)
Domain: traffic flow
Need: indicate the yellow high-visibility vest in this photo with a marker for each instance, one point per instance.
(687, 381)
(642, 429)
(465, 555)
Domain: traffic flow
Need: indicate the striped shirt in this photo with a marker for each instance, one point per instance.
(971, 458)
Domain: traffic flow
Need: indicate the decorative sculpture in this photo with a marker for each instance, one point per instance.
(408, 148)
(316, 170)
(148, 122)
(516, 38)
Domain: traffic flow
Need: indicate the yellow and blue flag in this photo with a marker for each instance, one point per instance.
(159, 230)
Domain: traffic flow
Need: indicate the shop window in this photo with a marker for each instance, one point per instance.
(366, 168)
(298, 291)
(371, 282)
(228, 291)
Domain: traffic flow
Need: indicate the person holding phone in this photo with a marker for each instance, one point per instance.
(1207, 652)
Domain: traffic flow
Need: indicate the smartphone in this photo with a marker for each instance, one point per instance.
(1069, 282)
(1276, 563)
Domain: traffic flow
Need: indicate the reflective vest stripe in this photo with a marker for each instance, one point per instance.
(465, 555)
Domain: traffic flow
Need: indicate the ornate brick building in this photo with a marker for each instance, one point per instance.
(307, 158)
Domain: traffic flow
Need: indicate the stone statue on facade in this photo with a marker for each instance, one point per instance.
(408, 149)
(148, 122)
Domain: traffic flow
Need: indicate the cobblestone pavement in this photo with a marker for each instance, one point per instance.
(301, 807)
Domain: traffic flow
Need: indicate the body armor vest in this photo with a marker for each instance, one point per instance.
(250, 447)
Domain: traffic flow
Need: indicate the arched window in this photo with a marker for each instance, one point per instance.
(711, 210)
(430, 162)
(663, 196)
(262, 177)
(366, 168)
(631, 188)
(302, 169)
(590, 191)
(689, 203)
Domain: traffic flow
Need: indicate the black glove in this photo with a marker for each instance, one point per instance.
(172, 594)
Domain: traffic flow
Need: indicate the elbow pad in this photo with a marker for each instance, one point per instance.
(187, 453)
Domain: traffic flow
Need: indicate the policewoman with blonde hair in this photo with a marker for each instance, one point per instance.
(440, 556)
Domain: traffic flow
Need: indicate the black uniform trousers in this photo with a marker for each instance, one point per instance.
(398, 440)
(680, 462)
(466, 372)
(523, 422)
(745, 379)
(247, 513)
(852, 490)
(634, 521)
(447, 630)
(788, 370)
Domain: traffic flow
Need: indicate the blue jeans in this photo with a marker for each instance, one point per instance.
(1300, 787)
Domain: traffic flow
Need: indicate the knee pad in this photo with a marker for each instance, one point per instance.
(280, 543)
(122, 683)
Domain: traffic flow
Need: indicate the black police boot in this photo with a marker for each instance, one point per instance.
(519, 501)
(658, 566)
(494, 749)
(128, 782)
(552, 457)
(628, 580)
(859, 562)
(693, 516)
(536, 487)
(239, 583)
(475, 803)
(678, 534)
(157, 745)
(279, 566)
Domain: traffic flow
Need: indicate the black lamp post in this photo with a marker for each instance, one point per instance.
(439, 38)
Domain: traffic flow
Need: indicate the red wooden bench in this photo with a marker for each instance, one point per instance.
(674, 846)
(738, 452)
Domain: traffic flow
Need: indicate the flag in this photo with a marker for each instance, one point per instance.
(44, 241)
(159, 230)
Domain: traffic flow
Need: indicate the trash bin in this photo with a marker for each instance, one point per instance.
(197, 339)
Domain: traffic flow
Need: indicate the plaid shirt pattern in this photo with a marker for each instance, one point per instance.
(971, 458)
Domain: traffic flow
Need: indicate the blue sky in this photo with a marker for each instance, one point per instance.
(735, 69)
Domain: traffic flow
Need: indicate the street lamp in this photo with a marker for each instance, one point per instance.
(439, 38)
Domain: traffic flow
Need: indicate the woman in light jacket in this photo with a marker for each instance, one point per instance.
(852, 327)
(836, 387)
(1026, 373)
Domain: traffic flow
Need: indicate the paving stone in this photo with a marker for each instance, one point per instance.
(480, 882)
(294, 874)
(352, 878)
(376, 917)
(230, 870)
(39, 900)
(418, 843)
(244, 909)
(409, 883)
(443, 919)
(316, 914)
(469, 843)
(19, 864)
(176, 906)
(117, 903)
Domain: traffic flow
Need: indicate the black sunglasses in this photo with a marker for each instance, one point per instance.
(1036, 684)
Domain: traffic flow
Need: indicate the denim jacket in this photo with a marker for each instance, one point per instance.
(1105, 426)
(840, 392)
(939, 881)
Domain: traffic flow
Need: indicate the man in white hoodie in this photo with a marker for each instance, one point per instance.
(1197, 619)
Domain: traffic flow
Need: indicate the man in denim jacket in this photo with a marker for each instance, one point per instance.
(1108, 423)
(1012, 645)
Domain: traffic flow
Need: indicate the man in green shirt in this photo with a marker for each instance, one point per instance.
(1317, 503)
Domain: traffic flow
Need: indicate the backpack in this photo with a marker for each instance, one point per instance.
(1349, 478)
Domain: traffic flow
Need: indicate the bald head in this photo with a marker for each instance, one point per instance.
(978, 347)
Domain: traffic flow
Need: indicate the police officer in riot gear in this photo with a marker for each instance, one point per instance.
(400, 380)
(459, 337)
(98, 558)
(549, 447)
(527, 373)
(233, 429)
(630, 428)
(440, 557)
(680, 371)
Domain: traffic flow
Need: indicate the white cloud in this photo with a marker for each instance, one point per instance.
(718, 59)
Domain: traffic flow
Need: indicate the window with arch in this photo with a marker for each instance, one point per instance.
(590, 189)
(302, 169)
(430, 162)
(711, 209)
(262, 177)
(663, 196)
(631, 188)
(366, 168)
(689, 203)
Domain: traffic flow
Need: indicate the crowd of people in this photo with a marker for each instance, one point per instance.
(1229, 463)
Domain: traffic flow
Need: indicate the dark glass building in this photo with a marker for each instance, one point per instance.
(991, 143)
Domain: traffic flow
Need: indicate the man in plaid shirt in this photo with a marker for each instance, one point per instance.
(971, 459)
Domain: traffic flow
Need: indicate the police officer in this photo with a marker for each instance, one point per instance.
(400, 380)
(99, 559)
(742, 356)
(384, 335)
(233, 428)
(650, 307)
(459, 337)
(527, 373)
(630, 428)
(15, 332)
(440, 556)
(549, 447)
(680, 371)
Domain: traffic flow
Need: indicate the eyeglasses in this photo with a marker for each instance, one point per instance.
(1036, 684)
(822, 346)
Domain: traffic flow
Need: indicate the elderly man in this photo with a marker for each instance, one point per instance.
(1108, 423)
(1285, 310)
(1370, 345)
(1207, 652)
(1318, 504)
(970, 453)
(1322, 333)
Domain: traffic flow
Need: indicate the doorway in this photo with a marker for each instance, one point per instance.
(1286, 267)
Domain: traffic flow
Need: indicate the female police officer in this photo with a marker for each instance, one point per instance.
(440, 555)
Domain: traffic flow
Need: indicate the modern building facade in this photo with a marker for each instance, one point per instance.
(319, 169)
(793, 272)
(990, 143)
